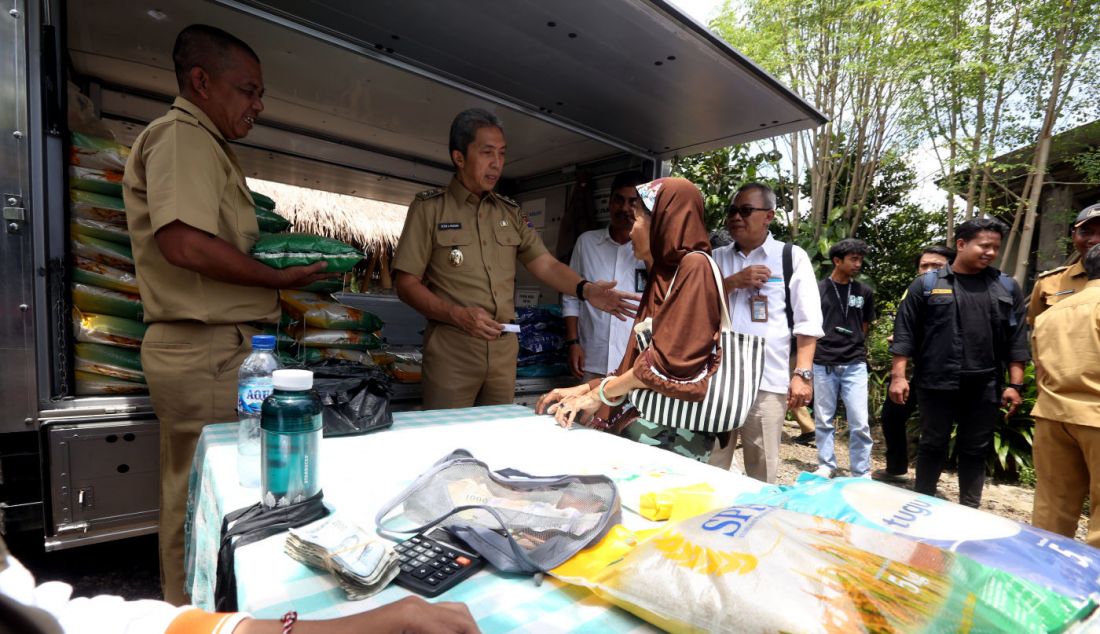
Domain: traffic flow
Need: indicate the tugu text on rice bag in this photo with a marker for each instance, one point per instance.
(908, 513)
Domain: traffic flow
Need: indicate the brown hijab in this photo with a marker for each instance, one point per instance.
(687, 320)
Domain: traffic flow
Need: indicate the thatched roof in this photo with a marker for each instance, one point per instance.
(365, 224)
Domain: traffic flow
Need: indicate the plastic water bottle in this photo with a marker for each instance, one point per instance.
(253, 386)
(291, 429)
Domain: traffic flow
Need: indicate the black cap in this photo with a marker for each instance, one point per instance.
(1088, 213)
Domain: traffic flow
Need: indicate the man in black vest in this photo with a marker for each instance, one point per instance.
(964, 326)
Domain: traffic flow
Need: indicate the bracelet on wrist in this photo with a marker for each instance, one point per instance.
(1019, 387)
(580, 289)
(603, 397)
(570, 342)
(288, 621)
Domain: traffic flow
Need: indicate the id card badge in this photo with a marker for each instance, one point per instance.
(759, 308)
(641, 278)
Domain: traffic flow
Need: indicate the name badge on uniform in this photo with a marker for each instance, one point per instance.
(759, 308)
(456, 257)
(942, 291)
(449, 226)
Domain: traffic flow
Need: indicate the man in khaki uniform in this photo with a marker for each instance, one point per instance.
(1066, 341)
(1058, 284)
(192, 224)
(456, 265)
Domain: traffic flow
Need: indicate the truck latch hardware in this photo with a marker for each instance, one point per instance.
(81, 527)
(15, 216)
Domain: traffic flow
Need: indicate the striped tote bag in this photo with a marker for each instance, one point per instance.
(732, 387)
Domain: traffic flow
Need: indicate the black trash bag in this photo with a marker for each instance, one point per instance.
(251, 524)
(356, 398)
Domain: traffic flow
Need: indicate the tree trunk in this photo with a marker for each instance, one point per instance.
(1042, 146)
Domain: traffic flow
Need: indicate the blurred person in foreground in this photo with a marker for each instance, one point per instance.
(50, 608)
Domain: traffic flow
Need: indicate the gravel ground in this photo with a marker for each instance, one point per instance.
(129, 567)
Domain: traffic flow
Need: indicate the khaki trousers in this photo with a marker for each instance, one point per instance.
(760, 437)
(463, 371)
(805, 420)
(191, 369)
(1067, 468)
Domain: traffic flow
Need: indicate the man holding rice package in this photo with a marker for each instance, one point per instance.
(456, 265)
(192, 223)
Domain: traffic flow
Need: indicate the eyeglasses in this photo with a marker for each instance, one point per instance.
(745, 210)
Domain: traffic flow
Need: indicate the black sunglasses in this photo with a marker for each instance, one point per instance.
(745, 210)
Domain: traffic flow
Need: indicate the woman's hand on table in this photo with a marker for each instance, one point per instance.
(557, 395)
(411, 615)
(579, 408)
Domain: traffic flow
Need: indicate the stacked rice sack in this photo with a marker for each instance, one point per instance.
(283, 250)
(322, 329)
(762, 568)
(107, 309)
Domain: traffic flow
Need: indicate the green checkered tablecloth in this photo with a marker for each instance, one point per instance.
(359, 474)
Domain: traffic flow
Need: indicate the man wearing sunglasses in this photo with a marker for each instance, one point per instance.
(757, 296)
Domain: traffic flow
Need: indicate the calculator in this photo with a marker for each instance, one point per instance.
(434, 562)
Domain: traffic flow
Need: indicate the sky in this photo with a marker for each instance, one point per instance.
(927, 193)
(701, 10)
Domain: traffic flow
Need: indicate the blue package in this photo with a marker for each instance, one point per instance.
(1056, 562)
(540, 341)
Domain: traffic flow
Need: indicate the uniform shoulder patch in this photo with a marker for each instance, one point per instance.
(507, 200)
(1051, 272)
(429, 194)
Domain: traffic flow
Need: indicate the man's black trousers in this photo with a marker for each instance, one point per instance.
(973, 407)
(894, 418)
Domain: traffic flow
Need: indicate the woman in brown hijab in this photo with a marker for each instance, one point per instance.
(686, 322)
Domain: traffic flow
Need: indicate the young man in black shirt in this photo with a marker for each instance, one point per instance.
(964, 326)
(840, 361)
(895, 417)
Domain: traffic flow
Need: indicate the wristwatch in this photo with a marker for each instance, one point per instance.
(805, 373)
(569, 342)
(579, 292)
(1019, 387)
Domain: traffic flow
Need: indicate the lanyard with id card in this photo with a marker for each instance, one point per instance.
(758, 308)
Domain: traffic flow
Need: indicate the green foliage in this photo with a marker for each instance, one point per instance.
(1013, 436)
(720, 172)
(895, 241)
(1088, 163)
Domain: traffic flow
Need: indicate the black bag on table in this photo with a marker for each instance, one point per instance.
(356, 398)
(251, 524)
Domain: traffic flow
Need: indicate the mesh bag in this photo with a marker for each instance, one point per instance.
(518, 522)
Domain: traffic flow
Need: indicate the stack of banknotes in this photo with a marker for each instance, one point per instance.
(363, 563)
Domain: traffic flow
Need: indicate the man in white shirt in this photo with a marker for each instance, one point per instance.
(597, 340)
(753, 266)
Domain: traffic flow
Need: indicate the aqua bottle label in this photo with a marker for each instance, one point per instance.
(251, 394)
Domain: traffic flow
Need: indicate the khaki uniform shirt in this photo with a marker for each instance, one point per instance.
(1053, 286)
(1066, 340)
(182, 168)
(464, 247)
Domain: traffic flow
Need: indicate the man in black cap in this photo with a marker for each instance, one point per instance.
(1058, 284)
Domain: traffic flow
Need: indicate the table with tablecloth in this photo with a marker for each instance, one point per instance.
(360, 474)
